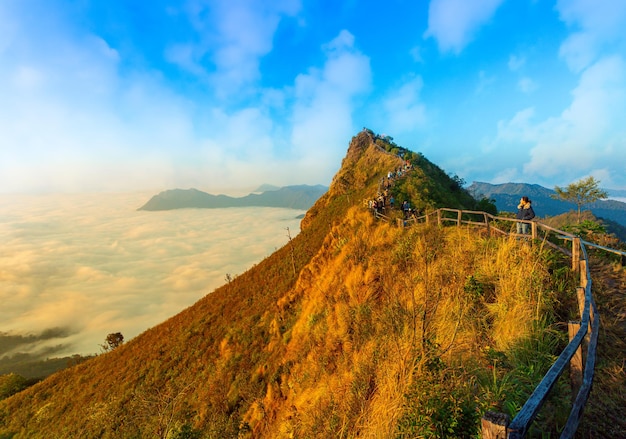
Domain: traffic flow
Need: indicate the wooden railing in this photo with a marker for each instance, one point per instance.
(377, 214)
(497, 425)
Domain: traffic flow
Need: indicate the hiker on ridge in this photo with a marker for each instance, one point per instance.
(524, 212)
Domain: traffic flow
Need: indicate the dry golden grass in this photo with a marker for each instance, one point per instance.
(381, 332)
(379, 304)
(604, 412)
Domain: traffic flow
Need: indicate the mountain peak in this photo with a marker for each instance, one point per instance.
(265, 187)
(328, 332)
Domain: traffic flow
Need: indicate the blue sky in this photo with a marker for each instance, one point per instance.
(123, 95)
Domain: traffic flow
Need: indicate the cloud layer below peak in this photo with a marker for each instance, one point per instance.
(92, 264)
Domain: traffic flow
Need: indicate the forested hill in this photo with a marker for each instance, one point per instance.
(355, 328)
(293, 197)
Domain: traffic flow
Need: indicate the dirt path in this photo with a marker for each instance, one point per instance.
(605, 413)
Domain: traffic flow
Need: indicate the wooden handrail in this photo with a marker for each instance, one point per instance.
(590, 321)
(601, 247)
(522, 421)
(381, 216)
(583, 394)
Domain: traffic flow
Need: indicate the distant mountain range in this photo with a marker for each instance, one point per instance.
(293, 197)
(507, 197)
(617, 193)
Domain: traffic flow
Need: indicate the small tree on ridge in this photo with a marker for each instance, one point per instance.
(582, 192)
(112, 341)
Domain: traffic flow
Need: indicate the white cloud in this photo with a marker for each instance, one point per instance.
(600, 27)
(318, 110)
(506, 176)
(519, 128)
(516, 62)
(416, 54)
(80, 118)
(403, 109)
(578, 50)
(454, 23)
(343, 41)
(484, 81)
(72, 121)
(93, 264)
(28, 78)
(8, 26)
(322, 117)
(71, 135)
(586, 137)
(526, 85)
(238, 148)
(232, 37)
(186, 56)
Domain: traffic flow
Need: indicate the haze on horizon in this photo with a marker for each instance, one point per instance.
(76, 267)
(126, 96)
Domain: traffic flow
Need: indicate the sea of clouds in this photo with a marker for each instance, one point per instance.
(76, 267)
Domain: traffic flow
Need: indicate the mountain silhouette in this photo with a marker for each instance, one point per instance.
(293, 197)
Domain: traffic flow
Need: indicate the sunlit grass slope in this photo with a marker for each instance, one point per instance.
(355, 328)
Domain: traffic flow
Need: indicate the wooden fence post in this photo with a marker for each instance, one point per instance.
(583, 283)
(576, 363)
(494, 425)
(583, 273)
(580, 295)
(458, 220)
(533, 228)
(575, 253)
(486, 219)
(438, 217)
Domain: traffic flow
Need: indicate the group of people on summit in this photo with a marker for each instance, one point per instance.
(384, 199)
(378, 205)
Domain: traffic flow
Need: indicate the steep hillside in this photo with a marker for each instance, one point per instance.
(356, 327)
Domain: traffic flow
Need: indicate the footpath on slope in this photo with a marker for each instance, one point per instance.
(384, 202)
(605, 412)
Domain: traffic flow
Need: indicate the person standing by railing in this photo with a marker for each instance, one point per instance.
(524, 212)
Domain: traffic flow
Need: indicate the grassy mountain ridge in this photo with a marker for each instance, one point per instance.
(142, 362)
(353, 328)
